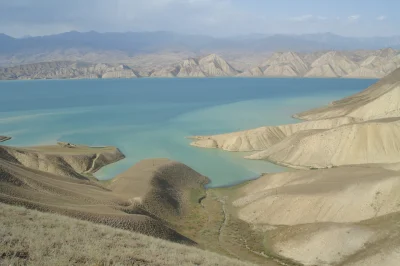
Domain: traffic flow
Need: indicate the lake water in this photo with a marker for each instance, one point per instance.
(150, 118)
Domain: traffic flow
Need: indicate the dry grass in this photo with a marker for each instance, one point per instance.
(30, 237)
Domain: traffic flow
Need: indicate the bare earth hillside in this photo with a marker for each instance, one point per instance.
(360, 129)
(29, 237)
(343, 207)
(341, 216)
(328, 64)
(65, 189)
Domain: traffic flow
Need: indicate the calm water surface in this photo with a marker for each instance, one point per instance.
(150, 118)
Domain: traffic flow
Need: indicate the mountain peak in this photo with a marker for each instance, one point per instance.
(212, 57)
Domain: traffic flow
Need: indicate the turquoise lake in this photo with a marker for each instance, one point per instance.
(150, 118)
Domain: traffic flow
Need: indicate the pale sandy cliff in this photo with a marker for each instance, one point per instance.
(381, 100)
(372, 142)
(264, 137)
(329, 64)
(341, 216)
(343, 208)
(360, 129)
(253, 72)
(208, 66)
(67, 70)
(287, 64)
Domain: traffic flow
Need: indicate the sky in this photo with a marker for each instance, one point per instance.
(219, 18)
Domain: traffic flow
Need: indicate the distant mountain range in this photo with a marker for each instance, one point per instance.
(349, 64)
(124, 45)
(357, 64)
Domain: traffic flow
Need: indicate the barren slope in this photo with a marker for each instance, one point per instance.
(159, 186)
(262, 138)
(339, 216)
(67, 70)
(208, 66)
(287, 64)
(74, 161)
(331, 64)
(74, 242)
(89, 200)
(373, 142)
(378, 101)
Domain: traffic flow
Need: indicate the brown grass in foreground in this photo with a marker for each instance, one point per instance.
(29, 237)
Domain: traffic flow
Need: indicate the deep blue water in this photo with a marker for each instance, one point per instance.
(149, 118)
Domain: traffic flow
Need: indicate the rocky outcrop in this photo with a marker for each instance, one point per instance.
(331, 64)
(357, 130)
(285, 65)
(67, 70)
(64, 159)
(208, 66)
(169, 72)
(120, 71)
(254, 72)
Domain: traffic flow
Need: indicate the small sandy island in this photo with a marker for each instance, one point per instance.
(4, 138)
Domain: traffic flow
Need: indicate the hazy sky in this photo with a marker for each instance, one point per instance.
(212, 17)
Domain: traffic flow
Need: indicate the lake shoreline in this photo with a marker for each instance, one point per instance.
(150, 118)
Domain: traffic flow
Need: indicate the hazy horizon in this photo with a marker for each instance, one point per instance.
(217, 18)
(240, 35)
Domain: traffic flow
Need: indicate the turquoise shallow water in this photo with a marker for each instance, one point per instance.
(148, 118)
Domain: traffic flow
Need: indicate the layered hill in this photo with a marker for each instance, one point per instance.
(340, 216)
(208, 66)
(58, 179)
(156, 197)
(332, 64)
(287, 64)
(372, 142)
(65, 159)
(342, 207)
(159, 186)
(357, 130)
(67, 70)
(381, 100)
(264, 137)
